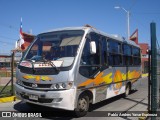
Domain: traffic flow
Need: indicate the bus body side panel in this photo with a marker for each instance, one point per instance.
(122, 76)
(134, 74)
(117, 86)
(108, 83)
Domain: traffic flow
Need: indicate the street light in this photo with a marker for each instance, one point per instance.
(128, 15)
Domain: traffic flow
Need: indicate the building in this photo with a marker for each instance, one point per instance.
(5, 61)
(28, 38)
(144, 55)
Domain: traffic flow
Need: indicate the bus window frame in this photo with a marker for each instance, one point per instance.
(119, 53)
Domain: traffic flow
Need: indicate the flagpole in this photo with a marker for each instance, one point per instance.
(21, 37)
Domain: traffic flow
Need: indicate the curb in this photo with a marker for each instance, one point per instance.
(145, 75)
(8, 99)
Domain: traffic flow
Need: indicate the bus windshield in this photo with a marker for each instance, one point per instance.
(56, 46)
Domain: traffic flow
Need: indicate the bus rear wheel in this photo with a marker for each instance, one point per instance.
(82, 106)
(127, 90)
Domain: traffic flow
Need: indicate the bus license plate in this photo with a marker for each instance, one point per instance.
(33, 97)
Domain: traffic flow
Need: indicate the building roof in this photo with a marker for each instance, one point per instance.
(143, 43)
(28, 38)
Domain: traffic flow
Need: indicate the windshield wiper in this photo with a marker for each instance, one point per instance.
(45, 61)
(51, 63)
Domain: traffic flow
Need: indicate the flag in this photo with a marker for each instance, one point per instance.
(134, 36)
(21, 40)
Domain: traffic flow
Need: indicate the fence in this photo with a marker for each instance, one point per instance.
(153, 77)
(7, 79)
(6, 73)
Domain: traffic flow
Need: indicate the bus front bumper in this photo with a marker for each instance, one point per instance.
(63, 99)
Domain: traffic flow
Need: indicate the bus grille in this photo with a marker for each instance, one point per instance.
(27, 84)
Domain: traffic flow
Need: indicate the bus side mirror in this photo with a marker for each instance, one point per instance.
(92, 47)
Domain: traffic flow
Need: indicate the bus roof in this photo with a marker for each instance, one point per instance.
(90, 28)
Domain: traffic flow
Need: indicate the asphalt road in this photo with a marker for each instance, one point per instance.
(136, 101)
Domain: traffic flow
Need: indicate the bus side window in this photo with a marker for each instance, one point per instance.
(86, 54)
(136, 56)
(114, 53)
(127, 54)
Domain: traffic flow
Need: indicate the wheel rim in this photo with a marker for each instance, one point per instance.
(83, 106)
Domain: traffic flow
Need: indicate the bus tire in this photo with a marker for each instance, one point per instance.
(82, 106)
(127, 90)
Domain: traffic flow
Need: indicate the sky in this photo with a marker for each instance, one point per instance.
(42, 15)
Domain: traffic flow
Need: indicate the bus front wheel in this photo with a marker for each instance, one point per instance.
(82, 106)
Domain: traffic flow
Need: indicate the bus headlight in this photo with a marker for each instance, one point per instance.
(57, 86)
(19, 82)
(64, 85)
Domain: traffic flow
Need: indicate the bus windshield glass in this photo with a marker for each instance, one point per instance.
(56, 46)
